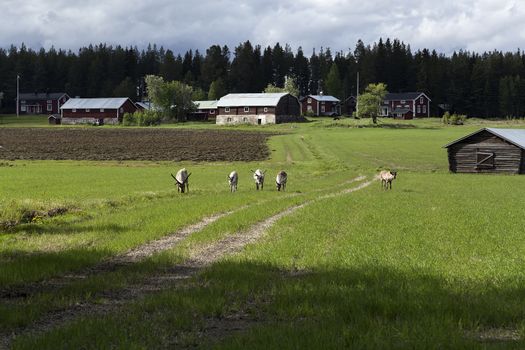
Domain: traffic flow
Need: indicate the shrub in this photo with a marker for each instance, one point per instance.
(142, 118)
(129, 119)
(310, 113)
(454, 119)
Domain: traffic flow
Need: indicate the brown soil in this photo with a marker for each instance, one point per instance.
(131, 144)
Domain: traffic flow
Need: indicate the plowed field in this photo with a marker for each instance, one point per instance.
(132, 144)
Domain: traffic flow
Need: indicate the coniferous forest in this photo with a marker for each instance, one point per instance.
(489, 84)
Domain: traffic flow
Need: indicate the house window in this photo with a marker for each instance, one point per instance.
(309, 100)
(102, 110)
(246, 109)
(212, 111)
(245, 119)
(418, 109)
(121, 109)
(49, 101)
(309, 108)
(322, 109)
(421, 100)
(23, 102)
(229, 120)
(266, 109)
(49, 107)
(74, 110)
(227, 109)
(23, 108)
(403, 101)
(87, 110)
(424, 109)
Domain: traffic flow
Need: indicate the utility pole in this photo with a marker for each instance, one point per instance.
(18, 95)
(357, 98)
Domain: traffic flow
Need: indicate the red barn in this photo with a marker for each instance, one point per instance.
(41, 102)
(320, 105)
(96, 110)
(406, 105)
(204, 111)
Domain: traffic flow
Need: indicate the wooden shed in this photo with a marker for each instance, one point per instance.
(489, 150)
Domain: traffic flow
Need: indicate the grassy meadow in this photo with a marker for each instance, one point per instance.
(435, 263)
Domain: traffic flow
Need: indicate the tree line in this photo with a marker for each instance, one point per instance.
(489, 84)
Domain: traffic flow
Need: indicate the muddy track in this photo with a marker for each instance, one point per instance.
(170, 278)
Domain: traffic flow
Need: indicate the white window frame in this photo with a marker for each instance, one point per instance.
(212, 111)
(266, 109)
(87, 110)
(421, 100)
(309, 108)
(424, 108)
(309, 100)
(403, 101)
(322, 109)
(246, 109)
(418, 109)
(102, 110)
(121, 109)
(74, 110)
(226, 109)
(49, 107)
(23, 102)
(23, 108)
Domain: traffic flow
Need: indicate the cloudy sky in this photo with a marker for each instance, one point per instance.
(444, 25)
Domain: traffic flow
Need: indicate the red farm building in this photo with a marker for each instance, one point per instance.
(406, 105)
(96, 110)
(41, 102)
(320, 105)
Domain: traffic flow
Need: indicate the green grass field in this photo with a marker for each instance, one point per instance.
(435, 263)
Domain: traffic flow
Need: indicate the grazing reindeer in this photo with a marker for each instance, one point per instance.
(181, 180)
(258, 176)
(233, 179)
(386, 178)
(280, 180)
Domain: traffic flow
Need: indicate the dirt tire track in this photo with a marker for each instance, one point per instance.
(170, 278)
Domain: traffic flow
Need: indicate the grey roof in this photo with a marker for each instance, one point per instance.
(37, 96)
(206, 104)
(95, 103)
(324, 98)
(514, 136)
(404, 96)
(248, 100)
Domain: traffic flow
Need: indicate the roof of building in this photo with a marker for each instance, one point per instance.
(95, 103)
(323, 98)
(206, 104)
(404, 96)
(514, 136)
(34, 96)
(257, 100)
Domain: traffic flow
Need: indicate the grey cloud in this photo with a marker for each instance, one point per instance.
(447, 25)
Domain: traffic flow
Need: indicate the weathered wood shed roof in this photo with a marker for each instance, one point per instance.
(514, 136)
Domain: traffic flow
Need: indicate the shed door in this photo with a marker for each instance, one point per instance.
(484, 160)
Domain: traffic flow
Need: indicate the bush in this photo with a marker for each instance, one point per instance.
(142, 118)
(310, 113)
(129, 119)
(454, 119)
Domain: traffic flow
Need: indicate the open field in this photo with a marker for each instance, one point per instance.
(335, 262)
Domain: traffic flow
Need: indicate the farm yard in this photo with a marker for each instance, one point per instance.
(110, 255)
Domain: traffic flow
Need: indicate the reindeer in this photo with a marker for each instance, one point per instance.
(258, 176)
(386, 178)
(181, 180)
(233, 179)
(280, 180)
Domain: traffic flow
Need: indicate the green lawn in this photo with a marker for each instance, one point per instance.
(435, 263)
